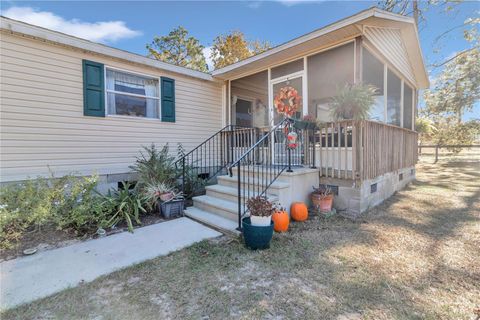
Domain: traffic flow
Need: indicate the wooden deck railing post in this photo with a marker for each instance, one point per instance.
(376, 149)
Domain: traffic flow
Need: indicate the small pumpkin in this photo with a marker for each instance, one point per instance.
(299, 211)
(281, 220)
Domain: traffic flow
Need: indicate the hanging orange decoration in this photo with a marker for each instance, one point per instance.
(287, 101)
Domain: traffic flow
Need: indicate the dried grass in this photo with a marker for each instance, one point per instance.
(414, 257)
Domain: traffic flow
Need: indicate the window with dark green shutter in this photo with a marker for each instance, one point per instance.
(93, 89)
(168, 99)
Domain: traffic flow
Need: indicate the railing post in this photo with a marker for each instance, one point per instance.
(239, 195)
(313, 166)
(183, 181)
(289, 160)
(436, 153)
(231, 144)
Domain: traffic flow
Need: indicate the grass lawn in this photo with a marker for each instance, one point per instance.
(414, 257)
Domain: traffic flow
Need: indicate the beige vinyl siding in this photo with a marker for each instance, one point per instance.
(42, 121)
(389, 42)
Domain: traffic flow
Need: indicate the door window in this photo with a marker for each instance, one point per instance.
(296, 83)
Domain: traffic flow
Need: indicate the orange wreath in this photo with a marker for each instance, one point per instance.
(287, 101)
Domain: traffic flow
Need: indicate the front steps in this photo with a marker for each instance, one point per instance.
(218, 208)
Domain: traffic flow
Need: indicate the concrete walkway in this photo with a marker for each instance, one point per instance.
(29, 278)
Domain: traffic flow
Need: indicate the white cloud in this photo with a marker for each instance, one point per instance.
(207, 51)
(290, 3)
(103, 31)
(254, 4)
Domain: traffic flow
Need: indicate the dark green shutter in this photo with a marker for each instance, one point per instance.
(168, 99)
(93, 89)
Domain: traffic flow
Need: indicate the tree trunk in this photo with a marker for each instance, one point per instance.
(415, 11)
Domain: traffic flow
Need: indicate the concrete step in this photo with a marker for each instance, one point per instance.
(231, 193)
(266, 174)
(214, 221)
(232, 182)
(224, 208)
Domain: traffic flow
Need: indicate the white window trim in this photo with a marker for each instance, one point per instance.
(404, 82)
(143, 75)
(295, 58)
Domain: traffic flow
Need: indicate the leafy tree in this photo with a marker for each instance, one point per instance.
(425, 128)
(446, 131)
(230, 48)
(179, 49)
(457, 88)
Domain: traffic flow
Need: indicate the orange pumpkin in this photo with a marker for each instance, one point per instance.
(281, 220)
(299, 211)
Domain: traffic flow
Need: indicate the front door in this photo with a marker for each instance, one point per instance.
(277, 85)
(279, 150)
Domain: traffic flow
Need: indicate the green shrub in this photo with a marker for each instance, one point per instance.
(123, 205)
(155, 166)
(77, 205)
(68, 202)
(23, 205)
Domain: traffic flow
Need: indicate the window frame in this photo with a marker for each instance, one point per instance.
(388, 66)
(143, 75)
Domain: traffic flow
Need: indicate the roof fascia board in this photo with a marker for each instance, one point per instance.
(64, 39)
(315, 34)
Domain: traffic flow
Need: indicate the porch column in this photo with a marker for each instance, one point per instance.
(357, 78)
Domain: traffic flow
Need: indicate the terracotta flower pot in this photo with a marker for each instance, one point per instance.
(326, 203)
(166, 196)
(316, 198)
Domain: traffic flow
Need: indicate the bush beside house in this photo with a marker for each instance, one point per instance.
(73, 205)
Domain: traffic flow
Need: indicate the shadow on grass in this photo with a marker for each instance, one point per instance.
(305, 274)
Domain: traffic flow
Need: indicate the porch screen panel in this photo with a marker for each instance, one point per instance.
(394, 94)
(327, 71)
(252, 88)
(286, 69)
(407, 106)
(372, 74)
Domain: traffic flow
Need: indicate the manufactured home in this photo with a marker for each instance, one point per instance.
(71, 105)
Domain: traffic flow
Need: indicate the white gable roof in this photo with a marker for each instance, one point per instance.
(402, 30)
(389, 42)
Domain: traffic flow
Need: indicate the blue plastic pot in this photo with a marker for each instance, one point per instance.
(256, 237)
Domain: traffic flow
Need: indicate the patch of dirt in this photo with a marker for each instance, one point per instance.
(48, 237)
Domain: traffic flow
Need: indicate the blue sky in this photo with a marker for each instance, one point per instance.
(129, 25)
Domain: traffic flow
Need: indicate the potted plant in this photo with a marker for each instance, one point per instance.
(257, 235)
(322, 198)
(353, 102)
(163, 196)
(261, 211)
(173, 207)
(155, 192)
(311, 121)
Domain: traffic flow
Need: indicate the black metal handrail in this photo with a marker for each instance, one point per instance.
(262, 163)
(210, 158)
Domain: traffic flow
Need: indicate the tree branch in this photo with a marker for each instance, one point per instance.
(437, 65)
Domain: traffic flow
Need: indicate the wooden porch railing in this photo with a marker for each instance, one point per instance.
(363, 149)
